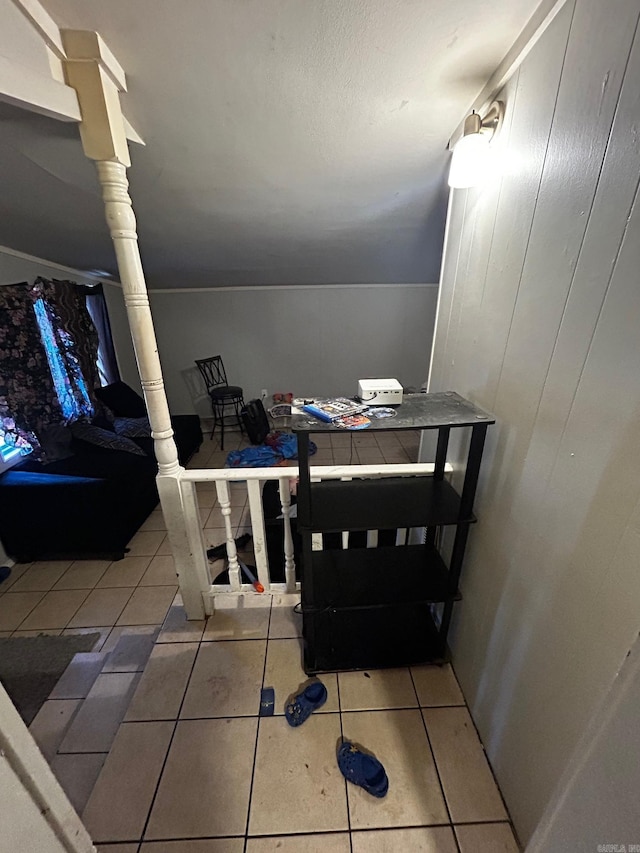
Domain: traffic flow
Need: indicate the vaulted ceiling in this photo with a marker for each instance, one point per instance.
(287, 141)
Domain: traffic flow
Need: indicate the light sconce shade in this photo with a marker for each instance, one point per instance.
(472, 153)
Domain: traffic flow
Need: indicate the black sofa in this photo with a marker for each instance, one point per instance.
(90, 504)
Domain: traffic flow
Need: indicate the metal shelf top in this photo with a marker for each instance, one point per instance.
(417, 411)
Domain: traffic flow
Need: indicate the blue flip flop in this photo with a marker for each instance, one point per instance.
(362, 769)
(301, 706)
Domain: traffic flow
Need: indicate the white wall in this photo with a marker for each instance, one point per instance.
(598, 795)
(37, 817)
(16, 267)
(539, 319)
(316, 340)
(20, 41)
(24, 827)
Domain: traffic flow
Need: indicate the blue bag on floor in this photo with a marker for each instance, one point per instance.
(287, 446)
(267, 455)
(253, 457)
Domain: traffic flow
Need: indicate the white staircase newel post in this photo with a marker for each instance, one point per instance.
(92, 70)
(122, 226)
(182, 520)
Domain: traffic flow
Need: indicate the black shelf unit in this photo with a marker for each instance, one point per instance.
(366, 608)
(381, 503)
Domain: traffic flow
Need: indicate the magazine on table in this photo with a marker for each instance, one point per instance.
(352, 422)
(330, 409)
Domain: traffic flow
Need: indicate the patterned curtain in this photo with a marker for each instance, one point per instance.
(67, 305)
(48, 360)
(76, 320)
(72, 342)
(28, 400)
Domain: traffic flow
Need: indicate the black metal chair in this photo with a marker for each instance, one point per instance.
(223, 396)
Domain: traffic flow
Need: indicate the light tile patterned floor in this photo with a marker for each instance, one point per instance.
(195, 769)
(192, 768)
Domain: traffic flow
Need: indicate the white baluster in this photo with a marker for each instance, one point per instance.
(289, 562)
(345, 533)
(258, 532)
(372, 538)
(401, 536)
(224, 500)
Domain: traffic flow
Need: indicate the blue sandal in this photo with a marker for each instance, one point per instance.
(300, 707)
(362, 769)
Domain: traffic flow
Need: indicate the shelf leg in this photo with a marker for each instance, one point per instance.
(441, 453)
(474, 459)
(304, 485)
(457, 555)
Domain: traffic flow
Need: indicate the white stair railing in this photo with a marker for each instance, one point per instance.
(253, 479)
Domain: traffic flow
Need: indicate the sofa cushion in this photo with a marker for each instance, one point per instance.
(123, 401)
(105, 439)
(89, 505)
(187, 433)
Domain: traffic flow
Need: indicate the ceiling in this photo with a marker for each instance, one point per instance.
(287, 141)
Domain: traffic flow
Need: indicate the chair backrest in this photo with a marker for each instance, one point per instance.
(213, 372)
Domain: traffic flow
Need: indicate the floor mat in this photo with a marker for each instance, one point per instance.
(30, 667)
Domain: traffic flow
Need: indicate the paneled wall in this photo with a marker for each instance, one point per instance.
(312, 340)
(600, 786)
(539, 322)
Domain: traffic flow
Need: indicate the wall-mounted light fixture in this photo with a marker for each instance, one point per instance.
(471, 154)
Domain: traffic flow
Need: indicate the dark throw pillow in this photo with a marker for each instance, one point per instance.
(103, 422)
(55, 442)
(133, 427)
(105, 439)
(122, 400)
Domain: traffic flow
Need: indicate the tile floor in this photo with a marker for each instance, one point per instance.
(189, 767)
(193, 767)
